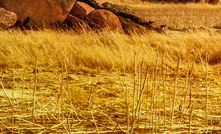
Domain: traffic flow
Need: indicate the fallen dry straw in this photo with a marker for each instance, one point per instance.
(109, 117)
(90, 61)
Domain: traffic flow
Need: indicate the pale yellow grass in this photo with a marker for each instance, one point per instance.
(180, 15)
(95, 62)
(103, 50)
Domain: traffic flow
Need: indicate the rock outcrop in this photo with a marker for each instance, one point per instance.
(101, 18)
(92, 3)
(40, 12)
(87, 7)
(123, 11)
(75, 15)
(78, 11)
(7, 18)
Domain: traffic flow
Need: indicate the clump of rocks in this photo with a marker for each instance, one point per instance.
(77, 15)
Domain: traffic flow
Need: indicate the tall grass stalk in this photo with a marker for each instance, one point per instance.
(175, 86)
(134, 91)
(164, 93)
(58, 98)
(62, 89)
(190, 119)
(138, 104)
(147, 100)
(13, 99)
(190, 102)
(206, 73)
(89, 99)
(138, 93)
(138, 85)
(34, 93)
(146, 107)
(154, 94)
(5, 90)
(186, 87)
(23, 86)
(170, 102)
(126, 95)
(67, 79)
(141, 87)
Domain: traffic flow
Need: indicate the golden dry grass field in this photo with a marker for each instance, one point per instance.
(55, 81)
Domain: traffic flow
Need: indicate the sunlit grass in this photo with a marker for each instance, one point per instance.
(103, 50)
(71, 66)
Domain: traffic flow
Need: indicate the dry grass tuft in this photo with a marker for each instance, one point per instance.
(102, 50)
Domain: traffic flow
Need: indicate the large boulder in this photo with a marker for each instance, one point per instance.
(78, 11)
(7, 18)
(40, 12)
(101, 18)
(87, 7)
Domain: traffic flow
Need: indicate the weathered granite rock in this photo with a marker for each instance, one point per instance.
(101, 18)
(7, 18)
(118, 9)
(125, 12)
(78, 11)
(92, 3)
(87, 7)
(40, 12)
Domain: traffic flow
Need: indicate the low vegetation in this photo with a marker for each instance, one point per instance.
(55, 81)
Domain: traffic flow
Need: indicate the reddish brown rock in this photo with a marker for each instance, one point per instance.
(7, 18)
(86, 7)
(131, 27)
(78, 11)
(40, 12)
(75, 23)
(214, 2)
(92, 3)
(101, 18)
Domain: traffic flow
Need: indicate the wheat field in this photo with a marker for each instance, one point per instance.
(55, 81)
